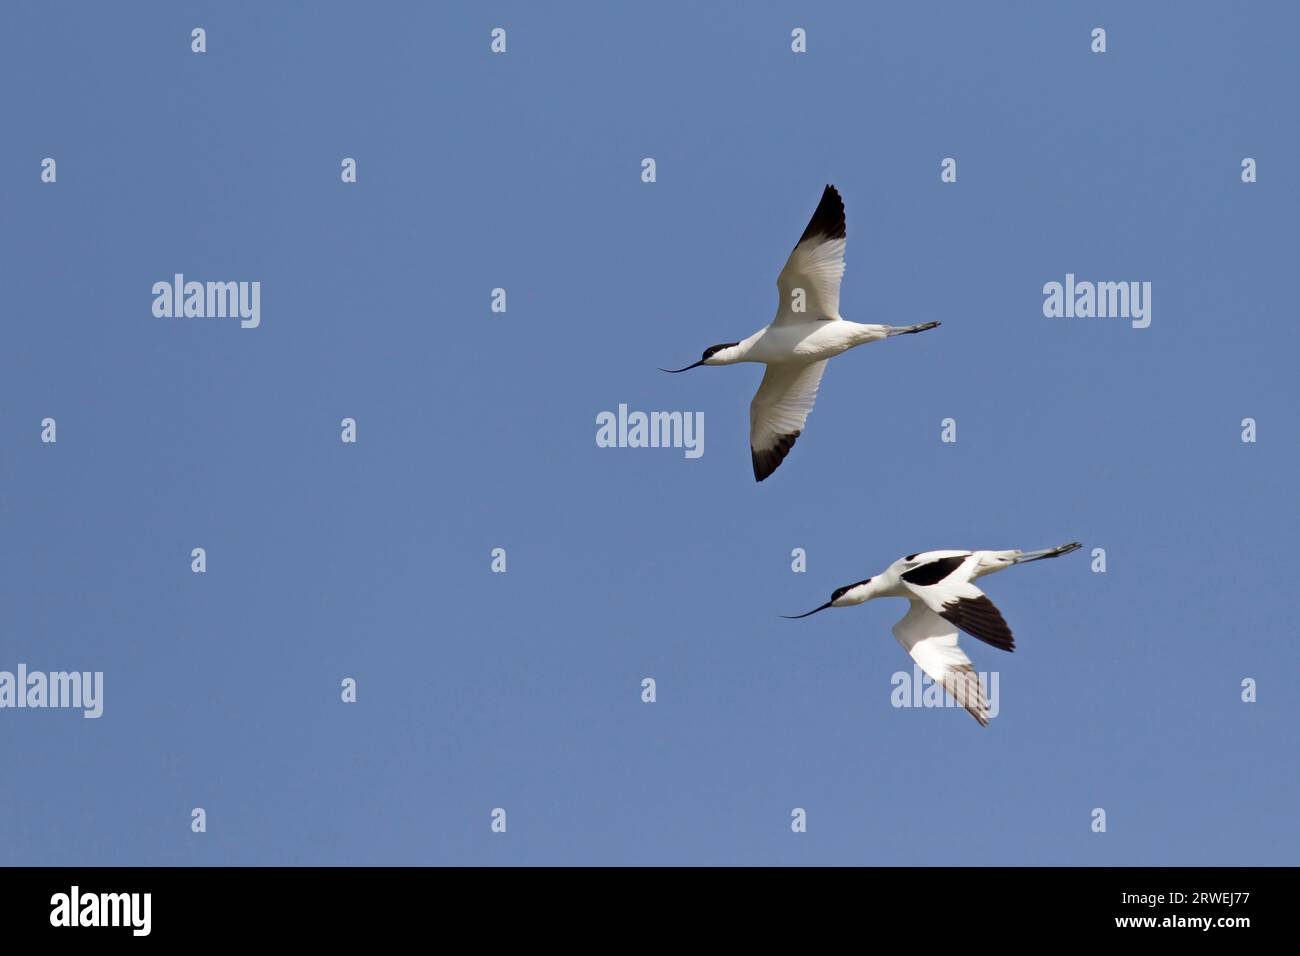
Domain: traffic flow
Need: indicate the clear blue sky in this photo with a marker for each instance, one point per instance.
(477, 430)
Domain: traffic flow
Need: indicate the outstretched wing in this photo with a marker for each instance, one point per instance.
(816, 266)
(944, 585)
(932, 642)
(778, 412)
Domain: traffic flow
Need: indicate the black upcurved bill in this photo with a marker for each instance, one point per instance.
(795, 617)
(687, 369)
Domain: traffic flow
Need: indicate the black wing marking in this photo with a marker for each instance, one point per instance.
(979, 617)
(827, 220)
(769, 459)
(935, 571)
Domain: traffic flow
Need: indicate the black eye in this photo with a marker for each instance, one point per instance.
(839, 593)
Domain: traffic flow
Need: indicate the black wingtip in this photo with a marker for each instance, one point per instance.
(827, 220)
(980, 618)
(769, 459)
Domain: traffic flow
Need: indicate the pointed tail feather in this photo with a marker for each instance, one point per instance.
(1048, 552)
(911, 329)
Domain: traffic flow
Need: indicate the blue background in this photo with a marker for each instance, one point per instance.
(476, 430)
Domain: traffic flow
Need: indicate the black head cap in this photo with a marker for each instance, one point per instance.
(708, 354)
(840, 592)
(714, 349)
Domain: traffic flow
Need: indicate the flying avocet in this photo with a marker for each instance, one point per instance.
(938, 585)
(806, 333)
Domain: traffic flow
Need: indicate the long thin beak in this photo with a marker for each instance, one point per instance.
(687, 369)
(795, 617)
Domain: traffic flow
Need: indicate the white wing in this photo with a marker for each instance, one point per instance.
(932, 642)
(778, 412)
(944, 585)
(816, 266)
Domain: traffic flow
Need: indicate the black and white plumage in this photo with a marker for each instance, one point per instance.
(806, 333)
(944, 600)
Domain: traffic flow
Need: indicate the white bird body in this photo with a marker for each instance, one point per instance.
(807, 331)
(975, 564)
(811, 341)
(937, 584)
